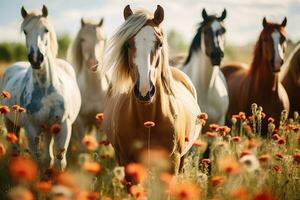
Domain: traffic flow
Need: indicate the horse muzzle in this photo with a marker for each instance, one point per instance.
(148, 97)
(35, 61)
(216, 57)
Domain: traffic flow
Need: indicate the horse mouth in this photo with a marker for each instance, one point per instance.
(216, 61)
(93, 68)
(35, 65)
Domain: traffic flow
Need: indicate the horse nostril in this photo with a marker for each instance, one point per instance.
(282, 61)
(40, 57)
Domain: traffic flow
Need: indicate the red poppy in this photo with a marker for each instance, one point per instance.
(104, 142)
(236, 139)
(242, 115)
(271, 120)
(137, 191)
(23, 168)
(55, 129)
(21, 109)
(279, 155)
(99, 117)
(90, 142)
(245, 152)
(5, 94)
(203, 116)
(149, 124)
(264, 195)
(211, 134)
(229, 165)
(2, 150)
(16, 107)
(277, 169)
(11, 137)
(264, 158)
(44, 186)
(92, 167)
(4, 109)
(184, 191)
(296, 157)
(137, 171)
(281, 141)
(199, 143)
(213, 127)
(275, 137)
(217, 180)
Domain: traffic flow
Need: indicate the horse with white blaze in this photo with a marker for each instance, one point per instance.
(203, 67)
(46, 87)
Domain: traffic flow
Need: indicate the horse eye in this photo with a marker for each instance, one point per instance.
(160, 44)
(25, 32)
(128, 46)
(46, 30)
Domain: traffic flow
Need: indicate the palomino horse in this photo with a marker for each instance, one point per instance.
(260, 83)
(86, 55)
(203, 67)
(145, 88)
(45, 86)
(291, 79)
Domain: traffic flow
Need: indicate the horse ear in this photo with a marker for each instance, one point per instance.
(223, 16)
(265, 23)
(204, 14)
(283, 23)
(24, 13)
(127, 12)
(82, 22)
(45, 11)
(101, 22)
(158, 15)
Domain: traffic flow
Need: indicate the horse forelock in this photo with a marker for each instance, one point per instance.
(33, 19)
(117, 54)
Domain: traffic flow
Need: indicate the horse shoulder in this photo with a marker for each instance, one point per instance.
(233, 68)
(14, 69)
(181, 77)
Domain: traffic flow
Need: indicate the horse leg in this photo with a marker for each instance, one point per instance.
(48, 156)
(12, 128)
(33, 140)
(79, 130)
(62, 141)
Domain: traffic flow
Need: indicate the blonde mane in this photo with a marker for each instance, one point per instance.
(116, 62)
(32, 20)
(74, 54)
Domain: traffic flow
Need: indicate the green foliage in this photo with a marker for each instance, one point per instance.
(64, 41)
(176, 42)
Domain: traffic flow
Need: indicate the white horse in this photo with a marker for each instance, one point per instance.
(202, 66)
(86, 55)
(45, 86)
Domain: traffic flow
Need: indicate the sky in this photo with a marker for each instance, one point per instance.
(243, 22)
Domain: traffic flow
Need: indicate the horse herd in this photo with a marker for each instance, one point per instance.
(131, 82)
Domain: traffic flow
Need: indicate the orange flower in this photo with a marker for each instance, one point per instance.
(137, 191)
(263, 115)
(19, 192)
(55, 129)
(16, 107)
(252, 143)
(245, 152)
(166, 178)
(281, 141)
(264, 195)
(86, 195)
(184, 191)
(92, 167)
(99, 117)
(275, 137)
(64, 178)
(229, 165)
(277, 168)
(224, 129)
(90, 142)
(296, 157)
(199, 143)
(2, 150)
(21, 109)
(239, 193)
(5, 94)
(11, 137)
(236, 139)
(137, 171)
(242, 115)
(149, 124)
(4, 109)
(104, 142)
(271, 120)
(264, 158)
(279, 155)
(44, 186)
(211, 134)
(23, 168)
(203, 116)
(217, 180)
(213, 127)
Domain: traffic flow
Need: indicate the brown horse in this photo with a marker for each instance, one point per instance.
(145, 88)
(260, 83)
(291, 79)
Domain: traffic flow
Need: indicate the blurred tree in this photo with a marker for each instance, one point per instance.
(64, 41)
(176, 42)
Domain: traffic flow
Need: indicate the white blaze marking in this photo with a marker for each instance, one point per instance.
(215, 26)
(278, 56)
(144, 43)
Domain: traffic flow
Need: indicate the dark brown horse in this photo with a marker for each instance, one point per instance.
(260, 82)
(145, 88)
(291, 79)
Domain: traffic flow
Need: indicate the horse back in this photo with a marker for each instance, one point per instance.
(228, 70)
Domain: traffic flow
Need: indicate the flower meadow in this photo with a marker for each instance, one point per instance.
(238, 162)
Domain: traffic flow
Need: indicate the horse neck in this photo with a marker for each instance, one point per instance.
(263, 79)
(47, 75)
(200, 70)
